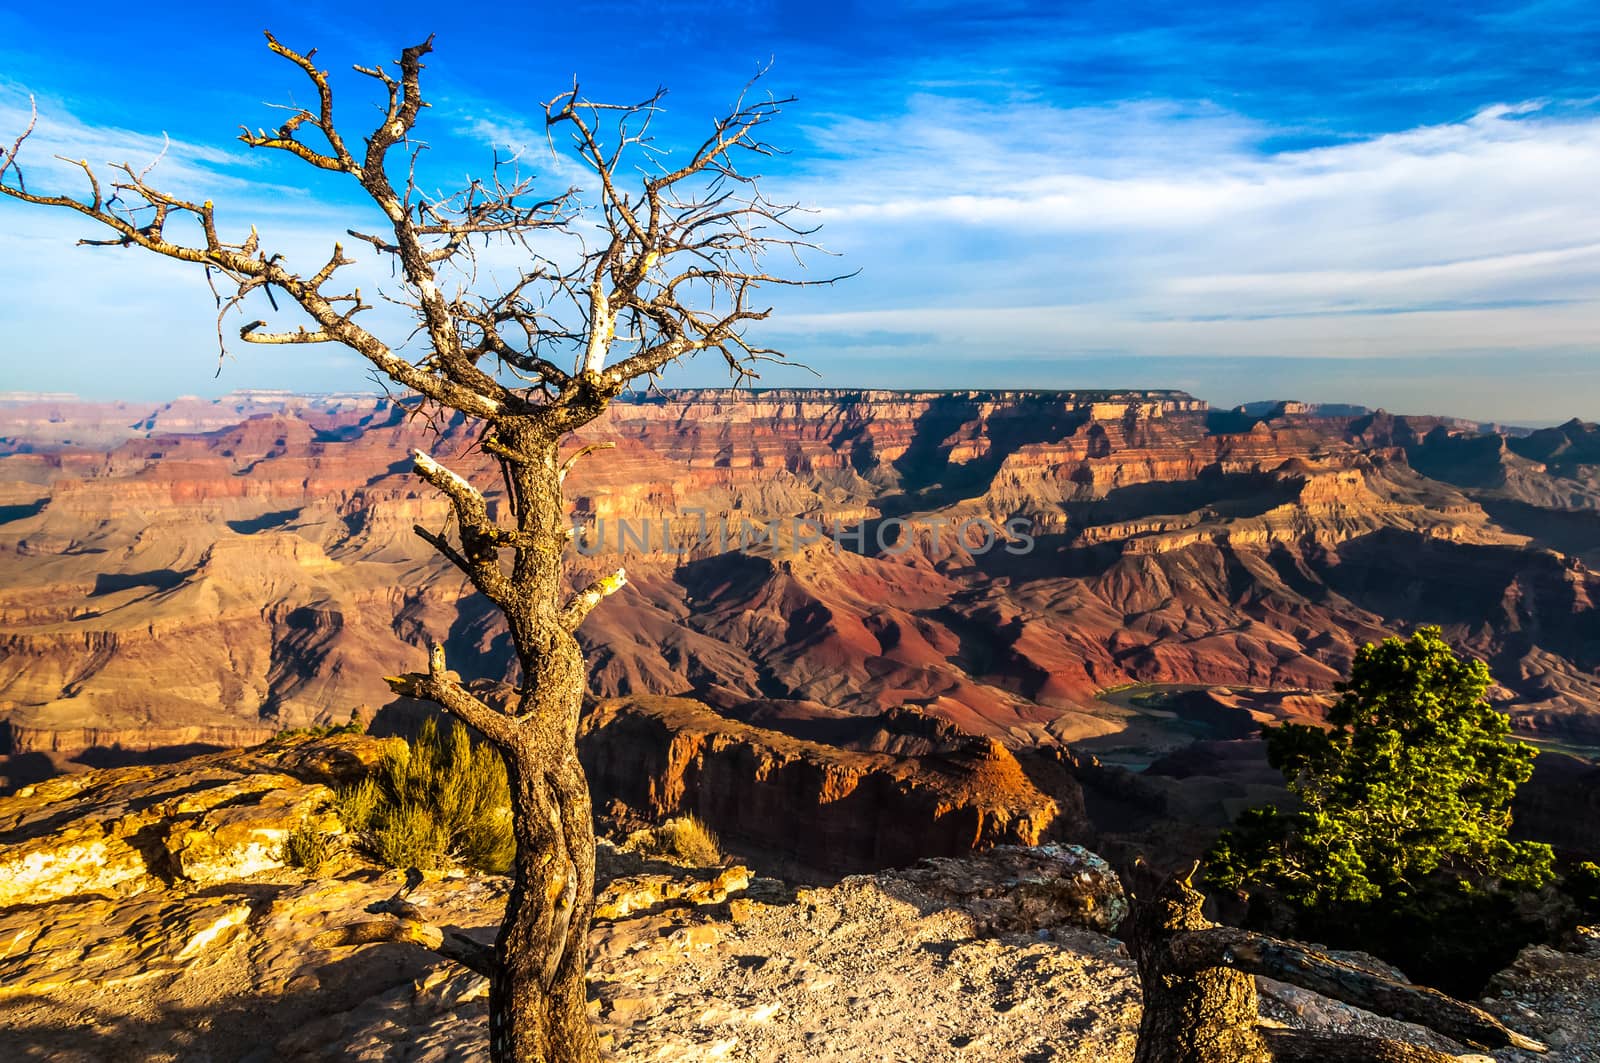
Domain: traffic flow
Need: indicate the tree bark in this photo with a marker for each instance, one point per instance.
(1206, 1016)
(1201, 1006)
(538, 999)
(538, 1003)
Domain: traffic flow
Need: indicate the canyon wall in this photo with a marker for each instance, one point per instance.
(837, 809)
(211, 570)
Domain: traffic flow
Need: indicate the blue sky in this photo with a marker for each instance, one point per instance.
(1346, 202)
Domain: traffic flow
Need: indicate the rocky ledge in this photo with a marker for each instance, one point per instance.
(1001, 955)
(215, 818)
(829, 807)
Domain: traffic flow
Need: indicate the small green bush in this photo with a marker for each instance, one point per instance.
(357, 805)
(683, 838)
(1583, 886)
(321, 730)
(438, 799)
(307, 847)
(407, 835)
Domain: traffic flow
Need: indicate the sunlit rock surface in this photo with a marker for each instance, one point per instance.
(208, 572)
(995, 957)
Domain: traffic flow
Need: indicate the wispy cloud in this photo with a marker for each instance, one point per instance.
(183, 168)
(1047, 193)
(1166, 228)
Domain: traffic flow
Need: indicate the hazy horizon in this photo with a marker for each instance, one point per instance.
(155, 402)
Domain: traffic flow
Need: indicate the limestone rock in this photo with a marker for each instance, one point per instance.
(1014, 889)
(896, 966)
(234, 841)
(210, 819)
(1554, 995)
(635, 893)
(78, 858)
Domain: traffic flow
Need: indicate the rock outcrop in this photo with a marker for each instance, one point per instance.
(828, 807)
(1554, 994)
(1023, 889)
(120, 832)
(990, 958)
(195, 947)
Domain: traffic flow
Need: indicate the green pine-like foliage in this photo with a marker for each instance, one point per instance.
(1400, 843)
(1413, 781)
(441, 798)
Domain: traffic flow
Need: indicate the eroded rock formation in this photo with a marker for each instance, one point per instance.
(832, 808)
(209, 572)
(990, 958)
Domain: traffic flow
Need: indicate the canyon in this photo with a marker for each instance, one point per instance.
(210, 571)
(938, 643)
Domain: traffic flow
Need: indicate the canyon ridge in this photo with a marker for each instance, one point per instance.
(209, 572)
(936, 641)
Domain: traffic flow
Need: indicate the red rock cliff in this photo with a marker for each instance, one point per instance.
(832, 808)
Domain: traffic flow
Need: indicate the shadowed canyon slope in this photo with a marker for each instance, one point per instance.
(211, 571)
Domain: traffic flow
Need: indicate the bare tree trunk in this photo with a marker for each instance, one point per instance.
(538, 1000)
(1200, 1002)
(1206, 1016)
(1290, 961)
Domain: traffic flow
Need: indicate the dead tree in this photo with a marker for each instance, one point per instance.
(668, 259)
(1200, 1003)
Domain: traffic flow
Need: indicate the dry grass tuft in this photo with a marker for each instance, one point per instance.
(682, 838)
(441, 798)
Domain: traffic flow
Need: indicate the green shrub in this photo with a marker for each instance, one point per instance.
(357, 805)
(307, 847)
(683, 838)
(1400, 840)
(321, 730)
(438, 799)
(1582, 884)
(407, 835)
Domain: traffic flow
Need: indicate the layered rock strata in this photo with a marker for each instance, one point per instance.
(230, 568)
(830, 808)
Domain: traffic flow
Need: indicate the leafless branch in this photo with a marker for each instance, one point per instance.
(440, 686)
(684, 254)
(583, 603)
(580, 454)
(682, 265)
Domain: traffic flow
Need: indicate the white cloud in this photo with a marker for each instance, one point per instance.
(1003, 231)
(179, 167)
(1158, 229)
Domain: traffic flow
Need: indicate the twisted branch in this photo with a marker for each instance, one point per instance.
(534, 352)
(441, 687)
